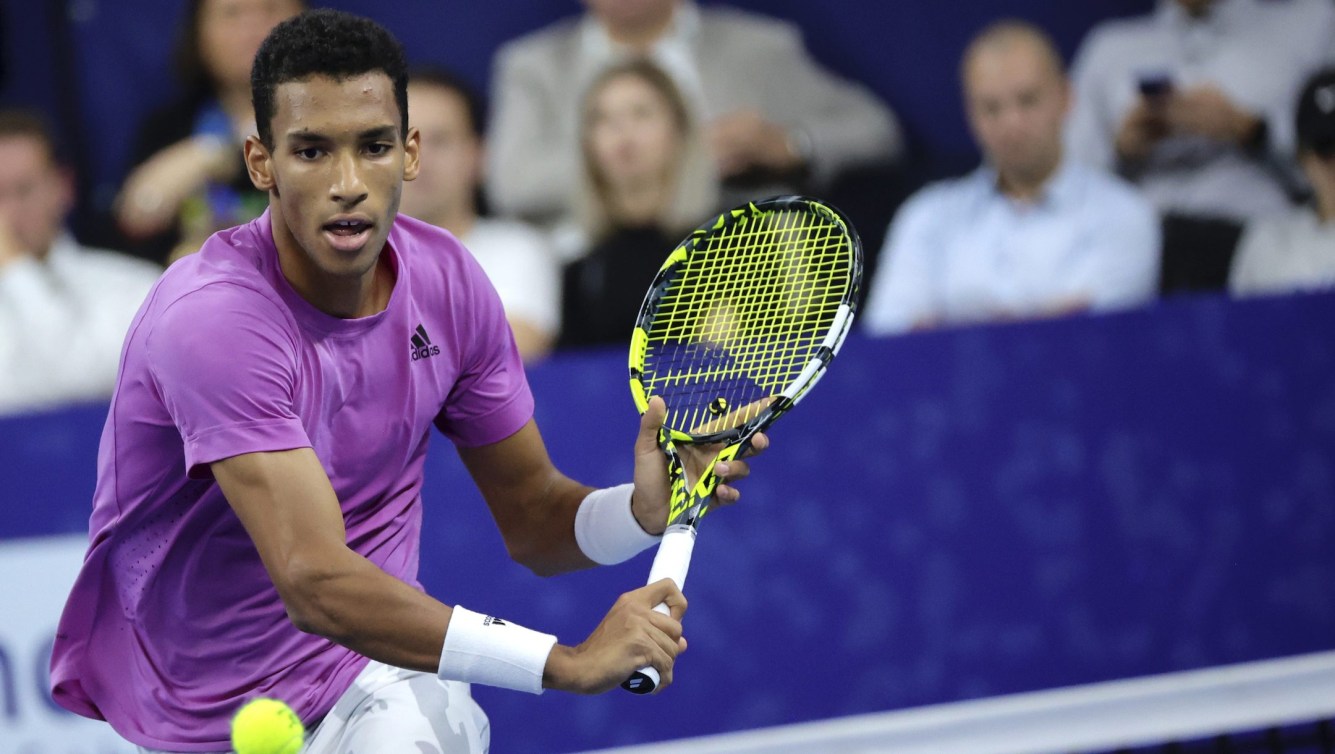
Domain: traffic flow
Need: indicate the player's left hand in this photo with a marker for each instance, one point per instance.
(649, 502)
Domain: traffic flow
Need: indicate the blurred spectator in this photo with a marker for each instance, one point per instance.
(448, 114)
(1296, 251)
(1027, 234)
(1194, 103)
(646, 182)
(189, 178)
(775, 120)
(64, 308)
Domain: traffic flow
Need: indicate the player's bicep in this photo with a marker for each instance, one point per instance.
(288, 506)
(513, 469)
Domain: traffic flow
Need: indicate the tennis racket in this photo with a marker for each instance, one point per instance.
(741, 321)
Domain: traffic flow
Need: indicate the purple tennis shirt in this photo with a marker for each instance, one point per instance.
(173, 621)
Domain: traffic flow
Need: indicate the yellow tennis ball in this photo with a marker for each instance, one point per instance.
(267, 726)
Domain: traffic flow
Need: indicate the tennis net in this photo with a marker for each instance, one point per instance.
(1284, 705)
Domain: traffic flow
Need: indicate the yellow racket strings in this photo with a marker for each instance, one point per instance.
(746, 313)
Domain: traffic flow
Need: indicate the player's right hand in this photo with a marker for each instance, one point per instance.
(631, 636)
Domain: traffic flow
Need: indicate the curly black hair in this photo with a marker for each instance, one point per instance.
(324, 43)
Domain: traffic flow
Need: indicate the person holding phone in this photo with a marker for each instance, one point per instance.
(1193, 101)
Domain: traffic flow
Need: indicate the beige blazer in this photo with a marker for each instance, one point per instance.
(744, 61)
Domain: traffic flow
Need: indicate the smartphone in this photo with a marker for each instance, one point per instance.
(1153, 85)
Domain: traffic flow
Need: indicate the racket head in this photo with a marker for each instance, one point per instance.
(744, 316)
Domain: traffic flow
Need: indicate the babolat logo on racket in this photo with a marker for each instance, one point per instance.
(422, 347)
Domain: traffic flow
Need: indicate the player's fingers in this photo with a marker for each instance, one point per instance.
(666, 645)
(664, 590)
(759, 443)
(733, 470)
(725, 495)
(650, 422)
(669, 629)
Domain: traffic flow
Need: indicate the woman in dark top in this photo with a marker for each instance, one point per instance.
(189, 178)
(647, 181)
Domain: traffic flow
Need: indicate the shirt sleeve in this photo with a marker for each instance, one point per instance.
(845, 123)
(531, 155)
(226, 367)
(1091, 128)
(902, 294)
(491, 399)
(1128, 245)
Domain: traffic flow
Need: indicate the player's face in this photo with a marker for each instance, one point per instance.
(451, 155)
(230, 33)
(633, 138)
(1017, 103)
(336, 172)
(34, 194)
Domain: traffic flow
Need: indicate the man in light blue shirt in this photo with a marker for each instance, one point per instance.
(1028, 234)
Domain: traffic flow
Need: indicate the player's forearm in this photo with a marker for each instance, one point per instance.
(540, 532)
(352, 602)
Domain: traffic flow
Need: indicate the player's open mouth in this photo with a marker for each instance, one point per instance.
(348, 234)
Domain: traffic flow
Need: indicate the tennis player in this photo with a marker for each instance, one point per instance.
(256, 523)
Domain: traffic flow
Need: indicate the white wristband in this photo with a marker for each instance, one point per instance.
(606, 530)
(493, 652)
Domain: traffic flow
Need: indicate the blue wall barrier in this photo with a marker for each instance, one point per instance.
(951, 515)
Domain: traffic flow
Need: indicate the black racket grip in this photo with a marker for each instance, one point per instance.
(641, 681)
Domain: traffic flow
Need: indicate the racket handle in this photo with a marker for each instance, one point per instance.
(672, 561)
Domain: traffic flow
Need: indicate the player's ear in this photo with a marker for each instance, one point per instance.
(259, 163)
(412, 151)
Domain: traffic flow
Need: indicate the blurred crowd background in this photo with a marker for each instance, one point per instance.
(1001, 161)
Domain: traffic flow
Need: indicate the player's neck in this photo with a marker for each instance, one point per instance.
(346, 296)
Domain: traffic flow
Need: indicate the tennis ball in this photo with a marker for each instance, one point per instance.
(267, 726)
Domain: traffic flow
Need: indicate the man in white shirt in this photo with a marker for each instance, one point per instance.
(516, 258)
(1295, 251)
(775, 119)
(1194, 102)
(1028, 234)
(64, 308)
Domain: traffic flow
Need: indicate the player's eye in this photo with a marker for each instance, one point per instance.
(378, 149)
(309, 153)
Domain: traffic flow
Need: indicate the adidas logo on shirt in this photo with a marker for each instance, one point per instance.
(422, 348)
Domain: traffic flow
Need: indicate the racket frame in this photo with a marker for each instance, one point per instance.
(689, 503)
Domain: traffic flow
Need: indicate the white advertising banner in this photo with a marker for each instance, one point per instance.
(35, 576)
